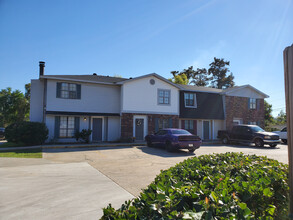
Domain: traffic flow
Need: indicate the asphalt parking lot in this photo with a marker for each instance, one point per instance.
(76, 183)
(134, 168)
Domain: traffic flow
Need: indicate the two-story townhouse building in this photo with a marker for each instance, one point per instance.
(111, 107)
(148, 103)
(204, 111)
(114, 107)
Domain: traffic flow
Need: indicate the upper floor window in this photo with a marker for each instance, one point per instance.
(252, 103)
(164, 96)
(68, 90)
(190, 100)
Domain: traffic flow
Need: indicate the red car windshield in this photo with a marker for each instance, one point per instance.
(179, 132)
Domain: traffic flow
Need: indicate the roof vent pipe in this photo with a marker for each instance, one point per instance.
(42, 67)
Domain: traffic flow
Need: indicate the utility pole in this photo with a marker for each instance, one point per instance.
(288, 71)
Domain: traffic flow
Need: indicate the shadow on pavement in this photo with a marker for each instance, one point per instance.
(163, 153)
(242, 145)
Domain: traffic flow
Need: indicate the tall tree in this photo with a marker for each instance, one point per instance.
(219, 71)
(200, 77)
(268, 114)
(180, 79)
(27, 93)
(281, 119)
(14, 107)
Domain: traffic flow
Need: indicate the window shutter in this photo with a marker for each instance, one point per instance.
(182, 124)
(257, 104)
(58, 90)
(78, 90)
(195, 127)
(170, 123)
(156, 124)
(248, 103)
(76, 124)
(57, 127)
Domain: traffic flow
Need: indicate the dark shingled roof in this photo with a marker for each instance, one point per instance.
(87, 78)
(209, 106)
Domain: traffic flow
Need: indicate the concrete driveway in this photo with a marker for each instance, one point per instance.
(134, 168)
(45, 190)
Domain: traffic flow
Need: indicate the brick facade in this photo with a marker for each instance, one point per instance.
(237, 107)
(127, 122)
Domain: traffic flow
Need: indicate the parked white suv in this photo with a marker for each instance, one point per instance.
(282, 134)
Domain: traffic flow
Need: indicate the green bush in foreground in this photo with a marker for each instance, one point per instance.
(29, 133)
(218, 186)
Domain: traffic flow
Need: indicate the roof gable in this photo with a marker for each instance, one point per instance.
(148, 75)
(244, 91)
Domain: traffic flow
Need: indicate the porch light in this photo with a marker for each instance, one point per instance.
(84, 118)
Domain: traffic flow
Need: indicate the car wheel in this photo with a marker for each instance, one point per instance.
(149, 143)
(191, 150)
(168, 146)
(273, 145)
(284, 141)
(225, 140)
(258, 142)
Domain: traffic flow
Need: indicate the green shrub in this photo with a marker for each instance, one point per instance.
(84, 135)
(29, 133)
(218, 186)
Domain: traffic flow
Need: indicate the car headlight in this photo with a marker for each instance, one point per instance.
(267, 137)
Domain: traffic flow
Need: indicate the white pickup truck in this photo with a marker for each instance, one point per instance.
(282, 134)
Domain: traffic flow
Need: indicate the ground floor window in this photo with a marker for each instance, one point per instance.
(188, 125)
(252, 123)
(163, 123)
(66, 127)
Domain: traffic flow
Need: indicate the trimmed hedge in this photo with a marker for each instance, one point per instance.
(218, 186)
(29, 133)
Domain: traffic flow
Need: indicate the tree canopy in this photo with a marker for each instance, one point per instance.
(14, 106)
(217, 76)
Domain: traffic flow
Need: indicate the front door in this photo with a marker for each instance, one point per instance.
(97, 129)
(206, 130)
(139, 129)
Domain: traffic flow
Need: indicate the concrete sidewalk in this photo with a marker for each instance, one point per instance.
(93, 145)
(57, 191)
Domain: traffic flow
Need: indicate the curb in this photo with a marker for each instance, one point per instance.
(73, 146)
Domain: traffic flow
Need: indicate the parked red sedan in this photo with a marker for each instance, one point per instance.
(173, 139)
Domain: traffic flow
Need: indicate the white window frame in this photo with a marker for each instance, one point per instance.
(194, 100)
(163, 123)
(252, 103)
(70, 89)
(164, 97)
(66, 128)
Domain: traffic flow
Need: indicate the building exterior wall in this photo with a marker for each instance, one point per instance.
(94, 98)
(36, 101)
(237, 107)
(140, 96)
(127, 122)
(113, 128)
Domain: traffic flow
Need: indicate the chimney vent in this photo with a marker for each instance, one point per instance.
(42, 67)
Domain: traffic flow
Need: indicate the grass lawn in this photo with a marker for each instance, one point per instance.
(26, 153)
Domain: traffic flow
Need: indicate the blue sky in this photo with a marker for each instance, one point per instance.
(136, 37)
